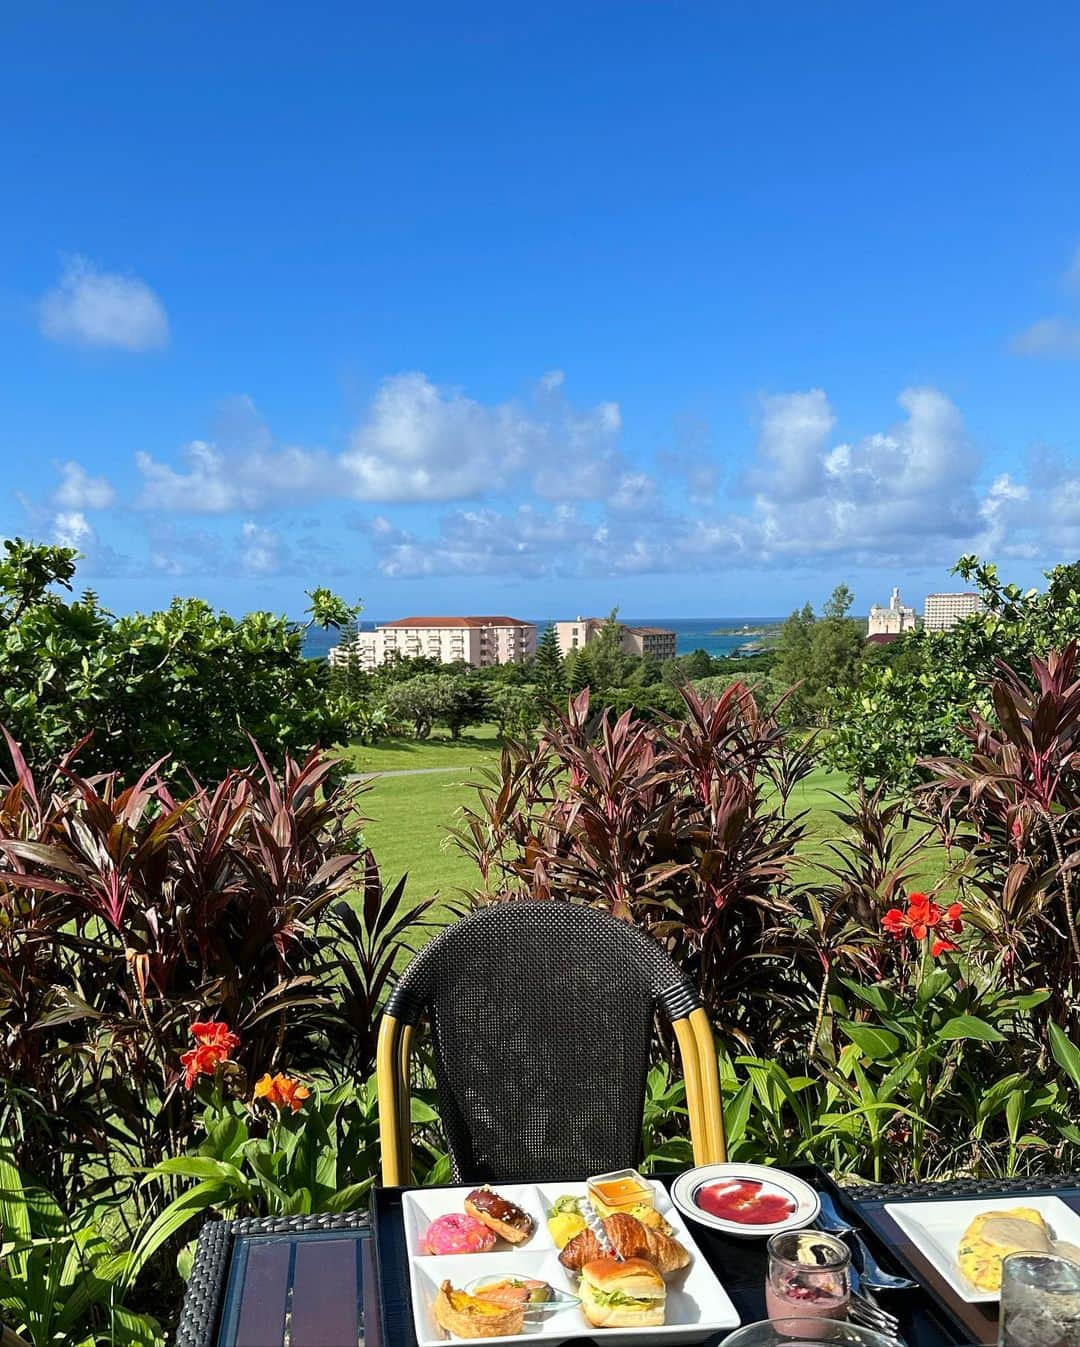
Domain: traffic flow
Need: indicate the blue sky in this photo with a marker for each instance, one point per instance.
(693, 308)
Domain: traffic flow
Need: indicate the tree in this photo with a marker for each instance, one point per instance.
(516, 710)
(419, 700)
(697, 664)
(607, 663)
(793, 660)
(347, 677)
(548, 670)
(822, 656)
(187, 684)
(576, 670)
(465, 701)
(399, 668)
(918, 705)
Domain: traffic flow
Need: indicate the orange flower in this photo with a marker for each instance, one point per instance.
(214, 1042)
(922, 917)
(282, 1092)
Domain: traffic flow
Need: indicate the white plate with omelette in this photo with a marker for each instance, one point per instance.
(969, 1257)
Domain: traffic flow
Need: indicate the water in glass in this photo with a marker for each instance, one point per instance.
(1040, 1301)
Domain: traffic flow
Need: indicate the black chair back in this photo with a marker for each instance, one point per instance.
(541, 1017)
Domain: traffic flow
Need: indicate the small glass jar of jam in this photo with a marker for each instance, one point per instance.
(619, 1191)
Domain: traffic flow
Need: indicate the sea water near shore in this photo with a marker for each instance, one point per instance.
(717, 635)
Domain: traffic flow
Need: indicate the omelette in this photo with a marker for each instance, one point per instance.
(992, 1235)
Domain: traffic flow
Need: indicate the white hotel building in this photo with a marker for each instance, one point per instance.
(944, 611)
(479, 641)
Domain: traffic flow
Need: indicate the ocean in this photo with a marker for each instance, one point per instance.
(717, 635)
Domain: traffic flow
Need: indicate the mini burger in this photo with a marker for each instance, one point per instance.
(626, 1294)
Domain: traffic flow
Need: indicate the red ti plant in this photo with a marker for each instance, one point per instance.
(679, 827)
(1014, 809)
(127, 914)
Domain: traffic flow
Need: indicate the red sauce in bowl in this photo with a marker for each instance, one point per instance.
(744, 1201)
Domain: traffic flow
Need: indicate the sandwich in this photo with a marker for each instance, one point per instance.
(627, 1294)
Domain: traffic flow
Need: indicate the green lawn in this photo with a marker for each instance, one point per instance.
(411, 815)
(479, 744)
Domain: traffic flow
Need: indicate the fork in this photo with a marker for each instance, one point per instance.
(863, 1311)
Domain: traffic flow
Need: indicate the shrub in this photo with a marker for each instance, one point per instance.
(127, 914)
(678, 826)
(187, 685)
(917, 706)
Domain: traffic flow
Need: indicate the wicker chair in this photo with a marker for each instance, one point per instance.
(541, 1017)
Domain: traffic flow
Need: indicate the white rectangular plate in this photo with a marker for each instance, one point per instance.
(697, 1304)
(935, 1228)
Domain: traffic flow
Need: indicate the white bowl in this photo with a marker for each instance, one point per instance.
(806, 1203)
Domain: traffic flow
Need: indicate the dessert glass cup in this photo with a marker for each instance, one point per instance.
(809, 1276)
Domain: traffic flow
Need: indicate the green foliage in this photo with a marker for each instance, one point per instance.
(918, 705)
(419, 701)
(602, 665)
(464, 701)
(258, 1160)
(63, 1283)
(186, 684)
(548, 670)
(515, 710)
(819, 658)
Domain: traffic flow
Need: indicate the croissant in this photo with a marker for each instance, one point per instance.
(630, 1239)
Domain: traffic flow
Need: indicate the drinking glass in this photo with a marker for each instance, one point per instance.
(1040, 1301)
(806, 1333)
(809, 1276)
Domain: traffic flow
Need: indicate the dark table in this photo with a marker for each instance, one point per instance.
(342, 1280)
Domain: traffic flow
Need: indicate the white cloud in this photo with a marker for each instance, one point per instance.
(910, 493)
(79, 491)
(91, 307)
(419, 442)
(71, 528)
(423, 443)
(1055, 338)
(261, 550)
(795, 428)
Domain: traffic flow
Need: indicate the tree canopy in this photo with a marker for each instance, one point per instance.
(187, 684)
(916, 705)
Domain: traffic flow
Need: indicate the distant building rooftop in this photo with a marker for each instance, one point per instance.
(883, 638)
(457, 622)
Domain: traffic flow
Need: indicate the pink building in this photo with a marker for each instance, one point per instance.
(479, 641)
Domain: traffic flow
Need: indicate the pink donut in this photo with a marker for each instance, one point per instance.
(457, 1233)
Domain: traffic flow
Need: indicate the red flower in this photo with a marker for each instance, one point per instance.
(214, 1042)
(923, 916)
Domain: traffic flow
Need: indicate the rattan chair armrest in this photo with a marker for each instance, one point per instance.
(393, 1126)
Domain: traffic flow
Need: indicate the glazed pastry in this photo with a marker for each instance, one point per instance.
(456, 1233)
(505, 1218)
(470, 1317)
